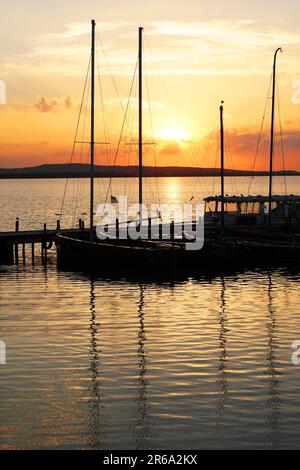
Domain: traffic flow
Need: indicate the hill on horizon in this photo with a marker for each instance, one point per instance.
(82, 170)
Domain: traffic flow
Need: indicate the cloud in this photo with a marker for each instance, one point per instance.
(170, 149)
(213, 47)
(243, 145)
(68, 101)
(47, 105)
(292, 138)
(44, 105)
(78, 29)
(223, 32)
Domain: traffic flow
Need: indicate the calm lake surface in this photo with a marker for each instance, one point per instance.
(92, 363)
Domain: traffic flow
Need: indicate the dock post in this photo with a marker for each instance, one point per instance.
(58, 225)
(6, 253)
(117, 228)
(32, 253)
(16, 247)
(80, 224)
(16, 253)
(172, 230)
(44, 245)
(23, 252)
(149, 228)
(160, 231)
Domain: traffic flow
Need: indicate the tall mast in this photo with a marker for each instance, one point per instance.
(92, 143)
(140, 122)
(272, 134)
(222, 163)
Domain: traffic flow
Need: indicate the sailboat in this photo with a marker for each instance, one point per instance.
(276, 211)
(123, 254)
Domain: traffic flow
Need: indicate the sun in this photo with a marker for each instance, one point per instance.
(172, 133)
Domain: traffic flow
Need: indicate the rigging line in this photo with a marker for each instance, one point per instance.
(259, 135)
(166, 89)
(105, 125)
(281, 140)
(204, 154)
(216, 156)
(151, 126)
(98, 37)
(234, 181)
(129, 136)
(105, 129)
(122, 128)
(81, 181)
(167, 92)
(160, 76)
(74, 142)
(198, 178)
(109, 69)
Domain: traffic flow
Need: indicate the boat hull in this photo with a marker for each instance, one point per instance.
(108, 256)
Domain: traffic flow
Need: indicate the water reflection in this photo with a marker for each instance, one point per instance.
(274, 419)
(98, 426)
(142, 429)
(223, 377)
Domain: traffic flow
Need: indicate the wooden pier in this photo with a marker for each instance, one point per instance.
(10, 242)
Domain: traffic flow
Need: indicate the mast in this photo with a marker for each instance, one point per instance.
(140, 123)
(272, 134)
(222, 163)
(92, 143)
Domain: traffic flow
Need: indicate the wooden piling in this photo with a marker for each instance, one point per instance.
(32, 253)
(149, 227)
(6, 253)
(117, 228)
(160, 231)
(16, 247)
(44, 245)
(23, 253)
(172, 230)
(16, 253)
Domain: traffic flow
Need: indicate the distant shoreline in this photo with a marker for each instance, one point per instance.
(83, 171)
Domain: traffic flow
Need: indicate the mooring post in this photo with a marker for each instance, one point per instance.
(117, 228)
(149, 228)
(172, 230)
(16, 244)
(80, 224)
(23, 252)
(58, 225)
(44, 245)
(32, 252)
(16, 253)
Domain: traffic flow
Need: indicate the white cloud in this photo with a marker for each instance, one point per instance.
(176, 48)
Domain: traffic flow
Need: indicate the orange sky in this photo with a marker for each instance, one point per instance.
(194, 57)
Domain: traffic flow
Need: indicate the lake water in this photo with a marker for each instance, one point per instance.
(92, 363)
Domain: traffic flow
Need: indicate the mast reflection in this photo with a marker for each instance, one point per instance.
(223, 359)
(273, 402)
(98, 426)
(142, 428)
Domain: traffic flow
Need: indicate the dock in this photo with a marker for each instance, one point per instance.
(10, 242)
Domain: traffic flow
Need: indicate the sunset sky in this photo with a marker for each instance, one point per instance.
(197, 53)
